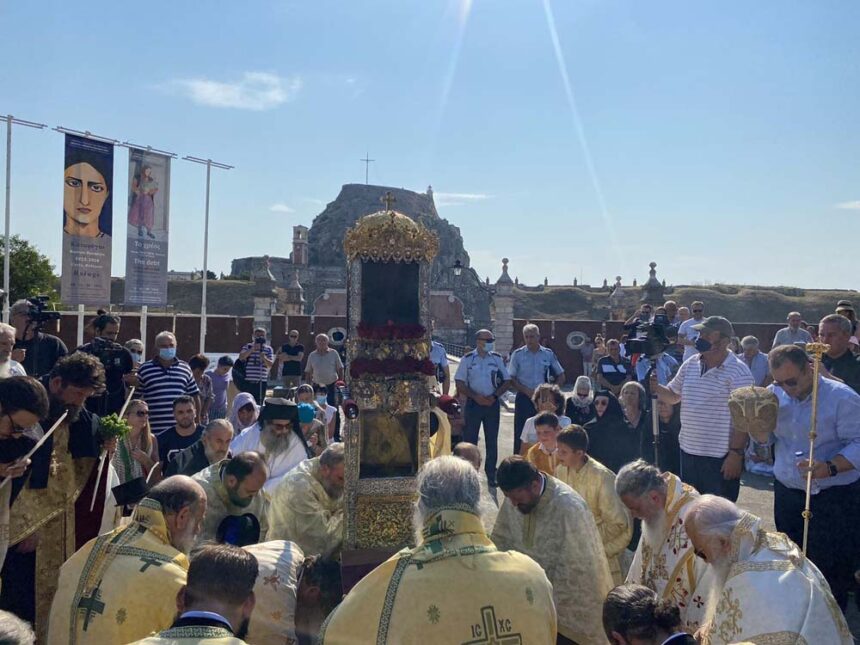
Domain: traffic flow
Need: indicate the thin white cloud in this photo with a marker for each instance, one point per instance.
(459, 199)
(850, 206)
(280, 208)
(313, 200)
(256, 91)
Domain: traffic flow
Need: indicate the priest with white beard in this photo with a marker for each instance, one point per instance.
(277, 437)
(664, 560)
(764, 589)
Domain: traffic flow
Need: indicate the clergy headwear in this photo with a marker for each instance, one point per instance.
(278, 408)
(239, 530)
(754, 411)
(131, 492)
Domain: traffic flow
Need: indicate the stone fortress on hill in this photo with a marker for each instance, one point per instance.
(312, 279)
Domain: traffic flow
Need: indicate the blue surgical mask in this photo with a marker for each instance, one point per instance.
(703, 345)
(136, 357)
(321, 399)
(489, 346)
(167, 353)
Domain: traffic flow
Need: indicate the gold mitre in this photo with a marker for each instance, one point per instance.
(388, 236)
(754, 411)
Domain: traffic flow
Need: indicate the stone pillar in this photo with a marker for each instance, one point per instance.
(294, 300)
(265, 296)
(503, 304)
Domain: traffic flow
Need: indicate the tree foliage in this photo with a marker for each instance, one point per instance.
(30, 272)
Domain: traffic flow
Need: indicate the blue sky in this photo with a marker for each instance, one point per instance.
(578, 138)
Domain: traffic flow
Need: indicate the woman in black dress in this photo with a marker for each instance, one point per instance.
(612, 440)
(579, 407)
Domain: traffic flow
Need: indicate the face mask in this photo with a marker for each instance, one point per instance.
(703, 345)
(489, 345)
(321, 399)
(136, 357)
(167, 353)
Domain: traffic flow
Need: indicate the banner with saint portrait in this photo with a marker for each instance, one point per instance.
(148, 219)
(87, 221)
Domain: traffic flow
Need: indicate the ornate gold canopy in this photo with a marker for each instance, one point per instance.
(388, 236)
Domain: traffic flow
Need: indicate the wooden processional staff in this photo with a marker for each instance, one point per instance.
(815, 350)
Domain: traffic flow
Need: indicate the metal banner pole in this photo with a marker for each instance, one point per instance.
(208, 163)
(10, 121)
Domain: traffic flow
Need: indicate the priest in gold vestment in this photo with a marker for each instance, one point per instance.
(122, 585)
(307, 506)
(596, 484)
(217, 603)
(455, 586)
(51, 515)
(665, 560)
(765, 591)
(547, 520)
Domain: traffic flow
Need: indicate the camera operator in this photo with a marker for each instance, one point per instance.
(258, 357)
(36, 351)
(117, 361)
(651, 342)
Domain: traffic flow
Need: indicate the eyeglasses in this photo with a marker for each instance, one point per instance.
(294, 336)
(698, 311)
(601, 403)
(789, 382)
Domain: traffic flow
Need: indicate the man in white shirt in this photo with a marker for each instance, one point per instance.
(712, 452)
(686, 334)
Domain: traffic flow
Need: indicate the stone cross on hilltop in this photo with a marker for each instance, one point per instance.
(388, 200)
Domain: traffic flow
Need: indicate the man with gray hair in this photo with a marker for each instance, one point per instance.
(793, 333)
(307, 505)
(835, 331)
(530, 366)
(122, 585)
(756, 360)
(14, 631)
(780, 592)
(664, 560)
(212, 447)
(8, 367)
(163, 379)
(455, 586)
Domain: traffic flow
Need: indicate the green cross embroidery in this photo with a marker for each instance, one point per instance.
(90, 606)
(488, 633)
(149, 562)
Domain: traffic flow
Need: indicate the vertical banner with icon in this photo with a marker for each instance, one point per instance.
(87, 221)
(148, 218)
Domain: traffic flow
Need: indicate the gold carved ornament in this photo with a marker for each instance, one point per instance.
(388, 236)
(384, 521)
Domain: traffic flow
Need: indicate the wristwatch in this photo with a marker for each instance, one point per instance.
(832, 468)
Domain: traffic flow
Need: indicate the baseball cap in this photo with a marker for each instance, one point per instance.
(716, 323)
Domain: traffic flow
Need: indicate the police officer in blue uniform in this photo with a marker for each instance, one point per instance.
(483, 377)
(531, 365)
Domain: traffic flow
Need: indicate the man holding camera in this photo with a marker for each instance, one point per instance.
(258, 357)
(36, 351)
(115, 358)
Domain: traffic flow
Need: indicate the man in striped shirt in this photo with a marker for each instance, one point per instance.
(712, 452)
(164, 378)
(259, 358)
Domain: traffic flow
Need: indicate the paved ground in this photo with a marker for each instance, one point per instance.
(756, 497)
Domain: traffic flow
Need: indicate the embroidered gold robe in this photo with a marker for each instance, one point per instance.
(274, 619)
(120, 586)
(192, 635)
(596, 484)
(674, 571)
(560, 534)
(455, 587)
(302, 511)
(543, 461)
(50, 511)
(773, 595)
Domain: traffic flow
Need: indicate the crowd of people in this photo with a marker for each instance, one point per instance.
(218, 517)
